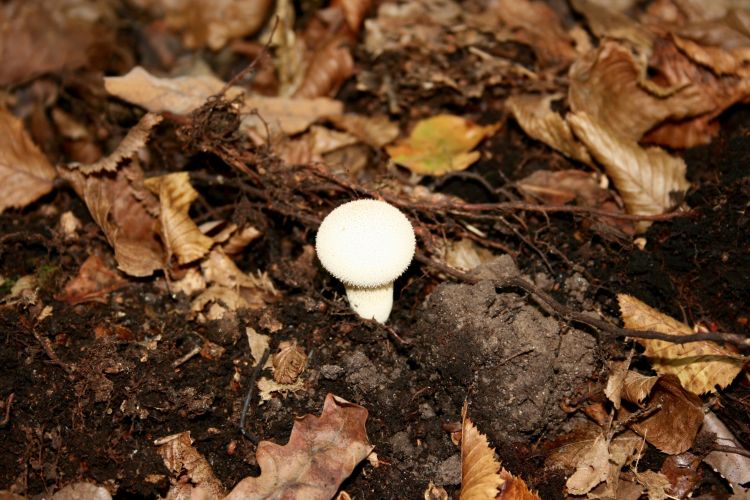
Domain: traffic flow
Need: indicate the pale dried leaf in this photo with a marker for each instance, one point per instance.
(656, 483)
(288, 363)
(514, 488)
(219, 269)
(179, 95)
(606, 20)
(613, 390)
(434, 492)
(354, 12)
(637, 387)
(25, 171)
(650, 181)
(259, 343)
(480, 478)
(465, 255)
(187, 464)
(77, 491)
(592, 469)
(563, 186)
(122, 208)
(679, 415)
(240, 239)
(179, 232)
(287, 115)
(376, 131)
(129, 146)
(321, 453)
(700, 366)
(268, 386)
(192, 282)
(330, 66)
(733, 467)
(535, 116)
(218, 294)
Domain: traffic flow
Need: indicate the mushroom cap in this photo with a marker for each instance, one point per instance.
(365, 243)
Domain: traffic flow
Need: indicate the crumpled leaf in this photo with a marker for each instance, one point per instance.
(25, 172)
(592, 469)
(441, 144)
(650, 181)
(329, 67)
(673, 427)
(288, 362)
(191, 472)
(637, 387)
(92, 283)
(122, 208)
(514, 488)
(321, 453)
(683, 472)
(79, 490)
(180, 234)
(607, 20)
(733, 467)
(700, 366)
(480, 478)
(49, 36)
(376, 131)
(268, 386)
(656, 483)
(564, 186)
(616, 380)
(534, 114)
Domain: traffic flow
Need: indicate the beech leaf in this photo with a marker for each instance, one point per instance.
(700, 366)
(650, 181)
(440, 144)
(25, 171)
(180, 234)
(480, 478)
(321, 453)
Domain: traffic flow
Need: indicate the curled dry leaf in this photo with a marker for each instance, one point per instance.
(683, 472)
(179, 233)
(733, 467)
(92, 283)
(268, 386)
(673, 427)
(327, 70)
(434, 492)
(376, 131)
(76, 491)
(564, 186)
(288, 362)
(536, 24)
(49, 36)
(321, 453)
(606, 20)
(617, 372)
(480, 478)
(592, 468)
(129, 146)
(441, 144)
(191, 472)
(637, 387)
(354, 12)
(25, 171)
(700, 366)
(535, 116)
(650, 181)
(122, 208)
(255, 290)
(258, 344)
(514, 488)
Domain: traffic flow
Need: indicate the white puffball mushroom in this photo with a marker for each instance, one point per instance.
(366, 244)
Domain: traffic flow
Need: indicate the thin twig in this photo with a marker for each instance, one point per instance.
(731, 449)
(250, 393)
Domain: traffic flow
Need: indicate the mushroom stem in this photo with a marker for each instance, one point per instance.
(371, 303)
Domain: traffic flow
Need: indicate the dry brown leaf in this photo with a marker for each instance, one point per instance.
(434, 492)
(354, 12)
(180, 95)
(313, 145)
(50, 36)
(240, 239)
(514, 488)
(220, 270)
(650, 181)
(376, 131)
(211, 22)
(536, 24)
(683, 472)
(535, 116)
(191, 472)
(608, 84)
(563, 186)
(465, 255)
(606, 20)
(122, 208)
(92, 283)
(77, 491)
(129, 146)
(258, 344)
(180, 234)
(288, 363)
(733, 467)
(656, 484)
(592, 469)
(268, 386)
(480, 478)
(617, 372)
(637, 387)
(700, 366)
(321, 453)
(673, 427)
(329, 67)
(287, 115)
(25, 171)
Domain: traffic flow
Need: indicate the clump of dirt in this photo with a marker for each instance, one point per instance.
(515, 363)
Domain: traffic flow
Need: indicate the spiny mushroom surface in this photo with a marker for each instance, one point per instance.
(366, 244)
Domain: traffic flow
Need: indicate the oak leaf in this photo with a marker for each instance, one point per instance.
(25, 171)
(440, 144)
(180, 234)
(700, 366)
(321, 453)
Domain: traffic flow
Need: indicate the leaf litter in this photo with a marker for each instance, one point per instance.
(209, 203)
